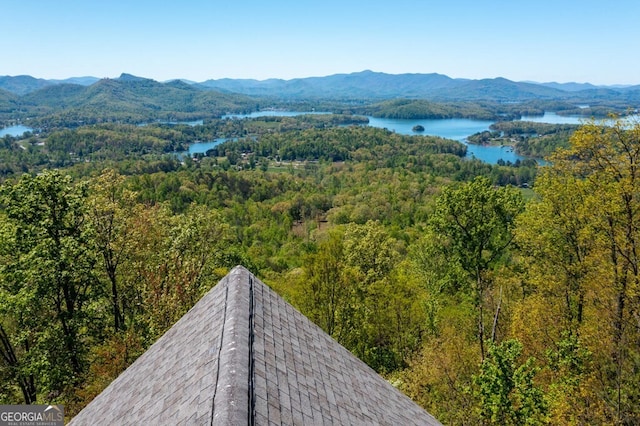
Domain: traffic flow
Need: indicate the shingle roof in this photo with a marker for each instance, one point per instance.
(243, 355)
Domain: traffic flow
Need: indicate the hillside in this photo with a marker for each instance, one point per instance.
(499, 89)
(365, 84)
(23, 84)
(358, 85)
(376, 85)
(133, 99)
(8, 101)
(127, 99)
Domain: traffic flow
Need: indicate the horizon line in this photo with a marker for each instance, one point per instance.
(191, 81)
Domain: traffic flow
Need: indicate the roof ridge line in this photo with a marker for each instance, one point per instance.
(251, 393)
(224, 319)
(233, 388)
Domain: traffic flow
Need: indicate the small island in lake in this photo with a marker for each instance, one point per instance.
(418, 128)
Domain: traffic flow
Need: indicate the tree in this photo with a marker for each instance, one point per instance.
(14, 369)
(353, 287)
(505, 388)
(175, 262)
(474, 222)
(47, 278)
(111, 209)
(590, 205)
(370, 256)
(557, 239)
(324, 277)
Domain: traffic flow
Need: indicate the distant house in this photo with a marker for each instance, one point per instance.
(244, 356)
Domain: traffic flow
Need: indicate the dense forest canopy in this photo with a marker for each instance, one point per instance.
(490, 294)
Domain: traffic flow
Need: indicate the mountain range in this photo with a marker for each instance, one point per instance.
(128, 99)
(359, 85)
(369, 84)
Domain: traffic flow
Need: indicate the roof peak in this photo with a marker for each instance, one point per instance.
(234, 352)
(243, 355)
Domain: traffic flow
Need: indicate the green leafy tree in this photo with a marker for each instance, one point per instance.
(583, 245)
(111, 211)
(175, 262)
(354, 288)
(557, 238)
(474, 224)
(570, 395)
(324, 276)
(608, 157)
(507, 393)
(47, 277)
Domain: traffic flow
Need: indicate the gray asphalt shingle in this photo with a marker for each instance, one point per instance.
(243, 355)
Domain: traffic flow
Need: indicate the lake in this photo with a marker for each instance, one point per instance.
(15, 130)
(202, 147)
(451, 128)
(553, 118)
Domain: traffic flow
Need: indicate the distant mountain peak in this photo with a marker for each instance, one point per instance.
(130, 77)
(181, 84)
(22, 84)
(181, 80)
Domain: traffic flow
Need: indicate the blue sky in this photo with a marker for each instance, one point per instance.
(561, 40)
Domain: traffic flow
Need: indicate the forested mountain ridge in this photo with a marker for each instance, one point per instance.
(23, 84)
(126, 99)
(366, 84)
(134, 100)
(8, 101)
(369, 84)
